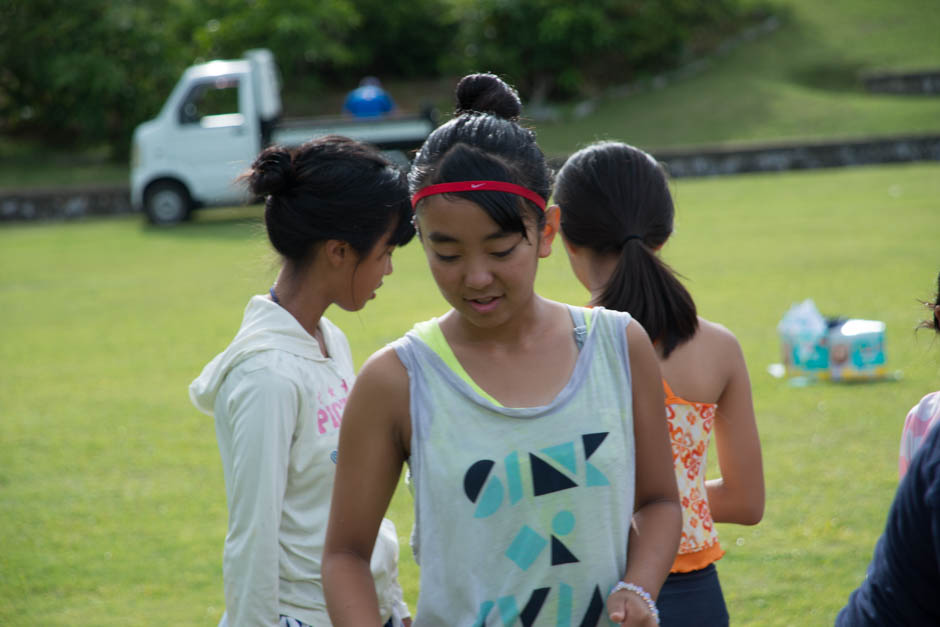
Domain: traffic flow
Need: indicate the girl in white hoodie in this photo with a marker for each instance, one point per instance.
(334, 210)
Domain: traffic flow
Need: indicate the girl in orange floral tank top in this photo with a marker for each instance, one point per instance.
(616, 214)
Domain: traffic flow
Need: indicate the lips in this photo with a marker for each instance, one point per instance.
(484, 304)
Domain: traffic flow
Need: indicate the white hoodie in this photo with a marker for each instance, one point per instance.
(278, 403)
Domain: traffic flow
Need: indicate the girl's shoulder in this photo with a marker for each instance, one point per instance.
(715, 337)
(384, 368)
(382, 387)
(601, 316)
(701, 368)
(927, 409)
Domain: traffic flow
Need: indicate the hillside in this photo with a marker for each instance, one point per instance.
(797, 81)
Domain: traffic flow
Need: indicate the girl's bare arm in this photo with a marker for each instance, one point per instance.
(373, 444)
(738, 495)
(657, 519)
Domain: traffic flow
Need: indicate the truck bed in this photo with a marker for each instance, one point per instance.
(401, 132)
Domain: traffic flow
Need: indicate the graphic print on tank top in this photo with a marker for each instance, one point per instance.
(551, 470)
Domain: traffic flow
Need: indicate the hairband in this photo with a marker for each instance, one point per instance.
(478, 186)
(630, 237)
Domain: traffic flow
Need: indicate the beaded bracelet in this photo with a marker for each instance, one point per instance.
(643, 594)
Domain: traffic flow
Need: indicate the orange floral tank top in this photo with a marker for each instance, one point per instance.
(690, 427)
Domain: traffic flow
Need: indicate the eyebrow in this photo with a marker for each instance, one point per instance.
(443, 238)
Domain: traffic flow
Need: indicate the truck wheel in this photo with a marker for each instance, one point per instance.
(167, 202)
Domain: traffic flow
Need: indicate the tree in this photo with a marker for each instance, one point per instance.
(561, 48)
(305, 36)
(405, 39)
(84, 73)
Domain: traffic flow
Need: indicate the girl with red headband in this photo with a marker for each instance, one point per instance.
(533, 430)
(616, 213)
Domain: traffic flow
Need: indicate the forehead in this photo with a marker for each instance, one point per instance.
(451, 218)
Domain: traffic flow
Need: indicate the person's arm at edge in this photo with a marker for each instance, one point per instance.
(373, 443)
(657, 518)
(738, 495)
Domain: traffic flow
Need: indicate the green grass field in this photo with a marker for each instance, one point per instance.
(112, 506)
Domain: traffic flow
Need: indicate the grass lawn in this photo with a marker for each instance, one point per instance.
(112, 507)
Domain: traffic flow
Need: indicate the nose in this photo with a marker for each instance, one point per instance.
(478, 275)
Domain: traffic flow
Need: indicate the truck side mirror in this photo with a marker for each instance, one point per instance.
(189, 113)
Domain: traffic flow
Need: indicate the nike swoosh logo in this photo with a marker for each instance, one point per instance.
(476, 185)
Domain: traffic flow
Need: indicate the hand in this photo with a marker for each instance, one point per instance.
(625, 607)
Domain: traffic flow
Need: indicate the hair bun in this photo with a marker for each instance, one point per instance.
(487, 93)
(271, 173)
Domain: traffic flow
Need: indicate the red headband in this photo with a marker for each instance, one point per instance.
(478, 186)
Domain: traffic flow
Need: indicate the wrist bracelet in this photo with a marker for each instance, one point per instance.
(643, 594)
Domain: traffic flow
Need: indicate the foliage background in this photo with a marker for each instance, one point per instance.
(85, 73)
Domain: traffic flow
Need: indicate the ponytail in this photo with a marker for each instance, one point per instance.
(647, 287)
(615, 200)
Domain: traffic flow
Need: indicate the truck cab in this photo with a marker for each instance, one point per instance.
(216, 120)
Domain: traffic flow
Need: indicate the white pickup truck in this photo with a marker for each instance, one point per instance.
(218, 118)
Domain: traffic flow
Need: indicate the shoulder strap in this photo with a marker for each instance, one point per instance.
(671, 398)
(668, 390)
(581, 317)
(430, 333)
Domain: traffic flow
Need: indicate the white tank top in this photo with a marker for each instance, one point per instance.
(522, 515)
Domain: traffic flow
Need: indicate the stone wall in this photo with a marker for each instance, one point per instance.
(69, 203)
(778, 157)
(64, 203)
(927, 82)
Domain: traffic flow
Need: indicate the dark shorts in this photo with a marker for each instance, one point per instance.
(693, 598)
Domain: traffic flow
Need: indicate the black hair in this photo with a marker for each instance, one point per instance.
(330, 188)
(933, 322)
(484, 141)
(615, 199)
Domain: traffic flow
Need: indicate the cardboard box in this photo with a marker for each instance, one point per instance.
(831, 348)
(805, 356)
(803, 340)
(857, 350)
